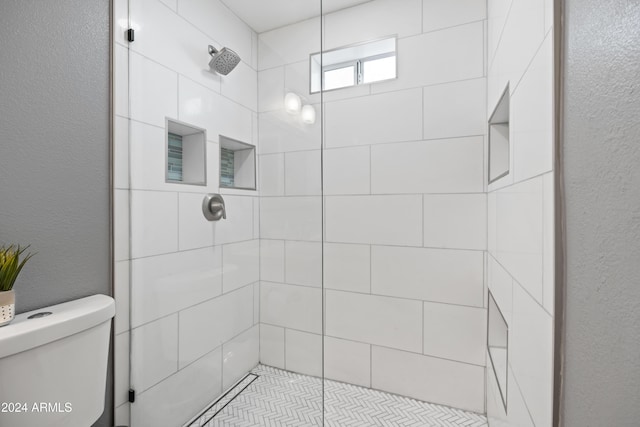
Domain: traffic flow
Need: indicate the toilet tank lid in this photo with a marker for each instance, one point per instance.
(65, 320)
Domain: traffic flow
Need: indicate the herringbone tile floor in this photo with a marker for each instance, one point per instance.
(279, 398)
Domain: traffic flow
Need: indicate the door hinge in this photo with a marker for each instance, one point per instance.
(130, 35)
(132, 395)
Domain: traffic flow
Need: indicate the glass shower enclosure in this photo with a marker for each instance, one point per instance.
(305, 228)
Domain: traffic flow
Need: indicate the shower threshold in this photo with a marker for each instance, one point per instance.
(272, 397)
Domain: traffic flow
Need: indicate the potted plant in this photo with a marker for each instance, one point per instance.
(10, 267)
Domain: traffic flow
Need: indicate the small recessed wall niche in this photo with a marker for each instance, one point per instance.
(498, 345)
(186, 150)
(237, 164)
(499, 139)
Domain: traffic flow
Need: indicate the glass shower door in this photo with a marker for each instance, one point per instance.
(224, 306)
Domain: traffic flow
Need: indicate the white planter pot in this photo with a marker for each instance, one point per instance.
(7, 307)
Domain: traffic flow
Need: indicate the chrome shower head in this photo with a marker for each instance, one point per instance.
(223, 61)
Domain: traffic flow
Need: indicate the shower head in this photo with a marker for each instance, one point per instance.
(223, 61)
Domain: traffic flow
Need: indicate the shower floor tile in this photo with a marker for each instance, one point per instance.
(281, 398)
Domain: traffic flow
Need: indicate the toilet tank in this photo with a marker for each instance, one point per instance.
(53, 367)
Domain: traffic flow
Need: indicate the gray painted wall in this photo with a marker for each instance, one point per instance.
(602, 168)
(54, 146)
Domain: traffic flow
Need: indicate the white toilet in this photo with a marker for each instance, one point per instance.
(53, 367)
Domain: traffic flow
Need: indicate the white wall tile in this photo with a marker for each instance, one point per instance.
(517, 415)
(302, 173)
(194, 231)
(218, 115)
(497, 12)
(548, 15)
(303, 353)
(519, 233)
(168, 283)
(289, 44)
(455, 332)
(548, 243)
(282, 132)
(347, 267)
(122, 415)
(271, 174)
(438, 57)
(121, 369)
(121, 295)
(120, 78)
(172, 4)
(438, 14)
(291, 218)
(272, 346)
(154, 223)
(121, 152)
(427, 378)
(240, 264)
(153, 91)
(346, 171)
(165, 404)
(256, 303)
(501, 286)
(386, 321)
(383, 18)
(347, 361)
(183, 49)
(206, 326)
(455, 221)
(303, 263)
(291, 306)
(297, 80)
(388, 117)
(239, 223)
(492, 216)
(531, 355)
(439, 275)
(121, 225)
(120, 21)
(239, 356)
(531, 117)
(219, 23)
(366, 219)
(272, 260)
(154, 352)
(241, 86)
(256, 218)
(271, 89)
(522, 36)
(455, 109)
(438, 166)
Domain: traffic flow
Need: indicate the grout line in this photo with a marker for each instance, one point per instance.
(374, 345)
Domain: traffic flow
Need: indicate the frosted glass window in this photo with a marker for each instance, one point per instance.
(339, 77)
(376, 70)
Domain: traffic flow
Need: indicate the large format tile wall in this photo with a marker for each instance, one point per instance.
(404, 205)
(521, 209)
(193, 284)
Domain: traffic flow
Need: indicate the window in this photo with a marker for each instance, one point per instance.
(355, 65)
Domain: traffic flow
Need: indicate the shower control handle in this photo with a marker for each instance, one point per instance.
(213, 207)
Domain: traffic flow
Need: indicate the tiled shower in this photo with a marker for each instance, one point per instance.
(373, 242)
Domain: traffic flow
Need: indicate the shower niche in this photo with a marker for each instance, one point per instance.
(185, 153)
(237, 164)
(499, 144)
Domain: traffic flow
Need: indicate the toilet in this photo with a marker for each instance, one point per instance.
(53, 364)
